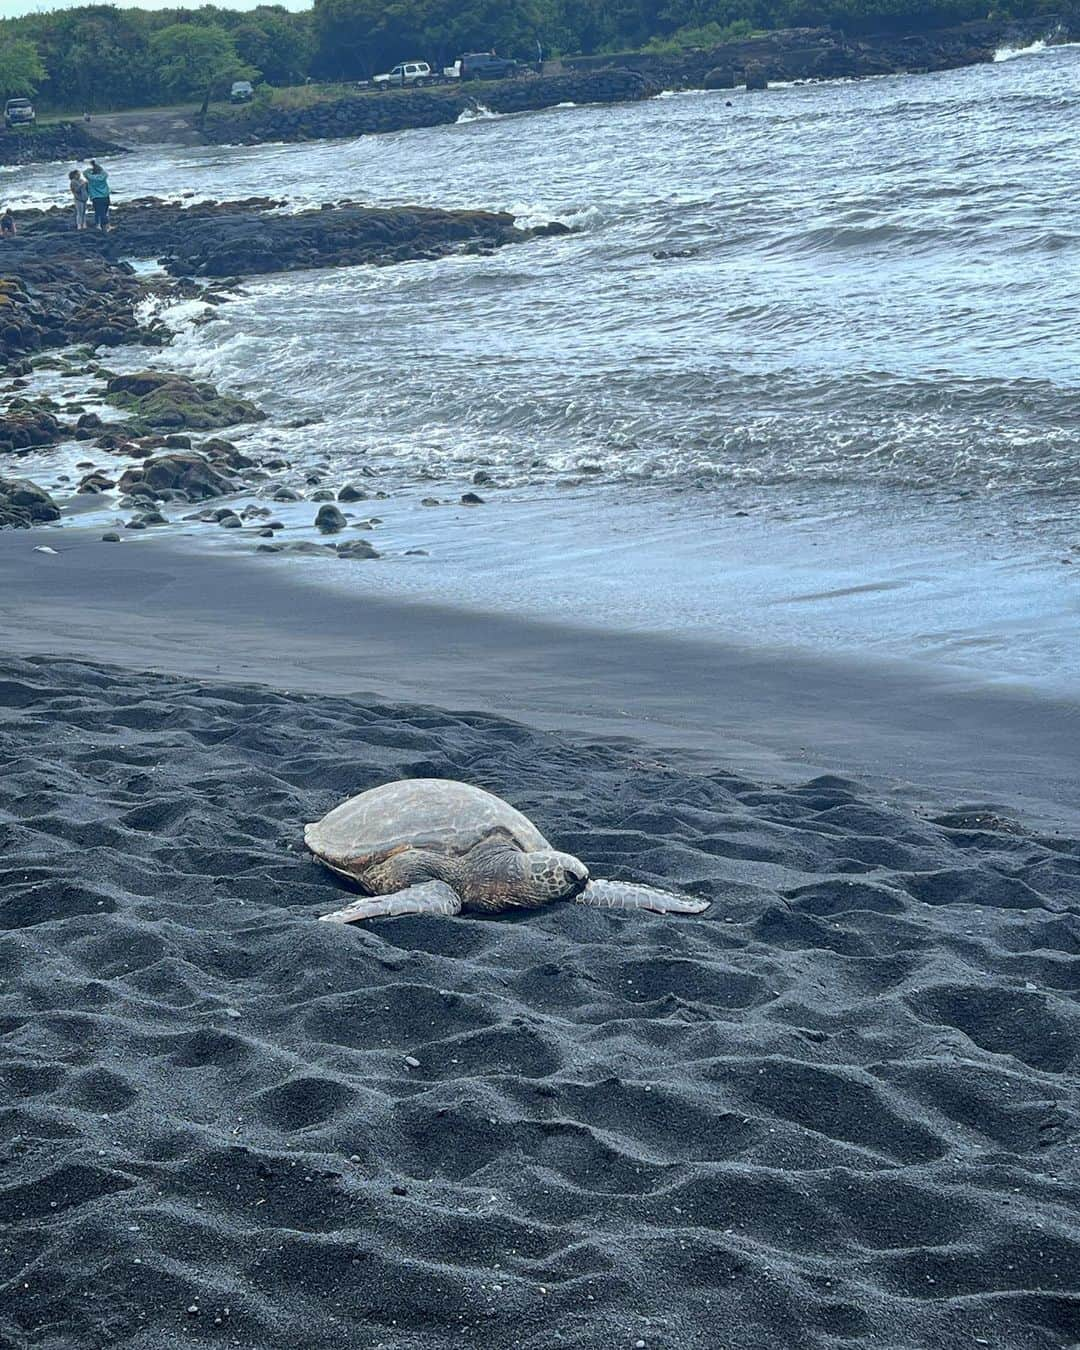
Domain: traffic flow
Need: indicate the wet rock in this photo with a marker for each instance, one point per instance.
(720, 77)
(162, 401)
(95, 482)
(471, 499)
(137, 523)
(329, 520)
(231, 522)
(111, 538)
(323, 495)
(306, 546)
(430, 501)
(23, 503)
(26, 425)
(357, 548)
(184, 471)
(287, 494)
(351, 493)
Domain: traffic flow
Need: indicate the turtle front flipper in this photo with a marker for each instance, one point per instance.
(429, 897)
(629, 895)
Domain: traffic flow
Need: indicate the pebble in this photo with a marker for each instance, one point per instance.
(412, 1061)
(399, 1190)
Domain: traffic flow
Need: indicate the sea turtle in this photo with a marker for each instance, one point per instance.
(433, 846)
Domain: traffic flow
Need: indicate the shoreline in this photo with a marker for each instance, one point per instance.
(781, 56)
(916, 734)
(839, 1106)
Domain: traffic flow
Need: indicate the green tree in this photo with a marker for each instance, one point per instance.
(191, 59)
(278, 43)
(21, 70)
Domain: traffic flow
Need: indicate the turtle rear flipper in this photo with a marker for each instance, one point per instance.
(629, 895)
(430, 897)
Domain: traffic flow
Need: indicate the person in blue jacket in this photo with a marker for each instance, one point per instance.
(97, 183)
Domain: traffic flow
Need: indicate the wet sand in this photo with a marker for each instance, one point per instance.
(929, 735)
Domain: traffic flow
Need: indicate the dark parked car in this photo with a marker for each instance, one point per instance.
(486, 66)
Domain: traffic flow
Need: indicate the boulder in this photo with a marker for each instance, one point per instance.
(162, 401)
(25, 425)
(184, 472)
(720, 77)
(351, 493)
(329, 520)
(23, 504)
(357, 548)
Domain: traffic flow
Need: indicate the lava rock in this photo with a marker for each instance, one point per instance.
(184, 472)
(357, 548)
(23, 503)
(329, 520)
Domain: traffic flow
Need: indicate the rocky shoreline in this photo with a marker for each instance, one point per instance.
(782, 56)
(367, 113)
(78, 292)
(56, 140)
(827, 54)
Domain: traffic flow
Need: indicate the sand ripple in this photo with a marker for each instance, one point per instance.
(840, 1108)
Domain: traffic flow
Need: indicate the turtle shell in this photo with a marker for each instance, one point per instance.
(430, 813)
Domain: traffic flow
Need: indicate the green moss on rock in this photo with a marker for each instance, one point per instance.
(162, 401)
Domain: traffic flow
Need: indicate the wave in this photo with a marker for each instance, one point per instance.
(1032, 49)
(478, 113)
(1010, 53)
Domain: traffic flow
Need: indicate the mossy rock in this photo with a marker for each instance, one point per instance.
(162, 401)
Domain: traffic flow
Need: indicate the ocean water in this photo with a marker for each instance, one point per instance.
(864, 335)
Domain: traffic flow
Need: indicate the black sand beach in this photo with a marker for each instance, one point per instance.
(839, 1108)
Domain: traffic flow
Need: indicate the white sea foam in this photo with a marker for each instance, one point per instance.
(477, 114)
(1007, 53)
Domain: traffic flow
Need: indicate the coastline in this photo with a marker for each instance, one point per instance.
(839, 1107)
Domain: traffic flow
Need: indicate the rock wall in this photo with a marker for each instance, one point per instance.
(57, 140)
(369, 113)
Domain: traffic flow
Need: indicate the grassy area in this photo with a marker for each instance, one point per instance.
(307, 95)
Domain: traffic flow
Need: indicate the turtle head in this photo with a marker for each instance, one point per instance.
(552, 876)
